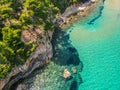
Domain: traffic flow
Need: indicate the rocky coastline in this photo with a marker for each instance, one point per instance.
(44, 51)
(41, 56)
(75, 13)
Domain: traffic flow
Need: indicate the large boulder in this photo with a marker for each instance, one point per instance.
(66, 74)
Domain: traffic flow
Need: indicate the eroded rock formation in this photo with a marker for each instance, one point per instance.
(41, 56)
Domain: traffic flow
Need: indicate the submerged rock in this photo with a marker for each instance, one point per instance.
(74, 70)
(66, 74)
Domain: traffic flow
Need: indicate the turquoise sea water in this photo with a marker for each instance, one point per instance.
(98, 45)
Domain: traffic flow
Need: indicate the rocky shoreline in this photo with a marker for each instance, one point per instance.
(44, 52)
(41, 56)
(75, 13)
(65, 61)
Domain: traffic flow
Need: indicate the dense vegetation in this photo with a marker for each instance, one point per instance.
(18, 15)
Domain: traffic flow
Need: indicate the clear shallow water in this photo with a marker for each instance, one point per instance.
(98, 46)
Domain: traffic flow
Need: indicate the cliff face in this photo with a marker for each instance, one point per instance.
(41, 56)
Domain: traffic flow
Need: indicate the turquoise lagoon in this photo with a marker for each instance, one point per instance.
(98, 45)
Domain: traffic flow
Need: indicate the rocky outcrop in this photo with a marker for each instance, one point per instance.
(31, 35)
(81, 10)
(66, 74)
(41, 56)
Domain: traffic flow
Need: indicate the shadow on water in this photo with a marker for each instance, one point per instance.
(66, 55)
